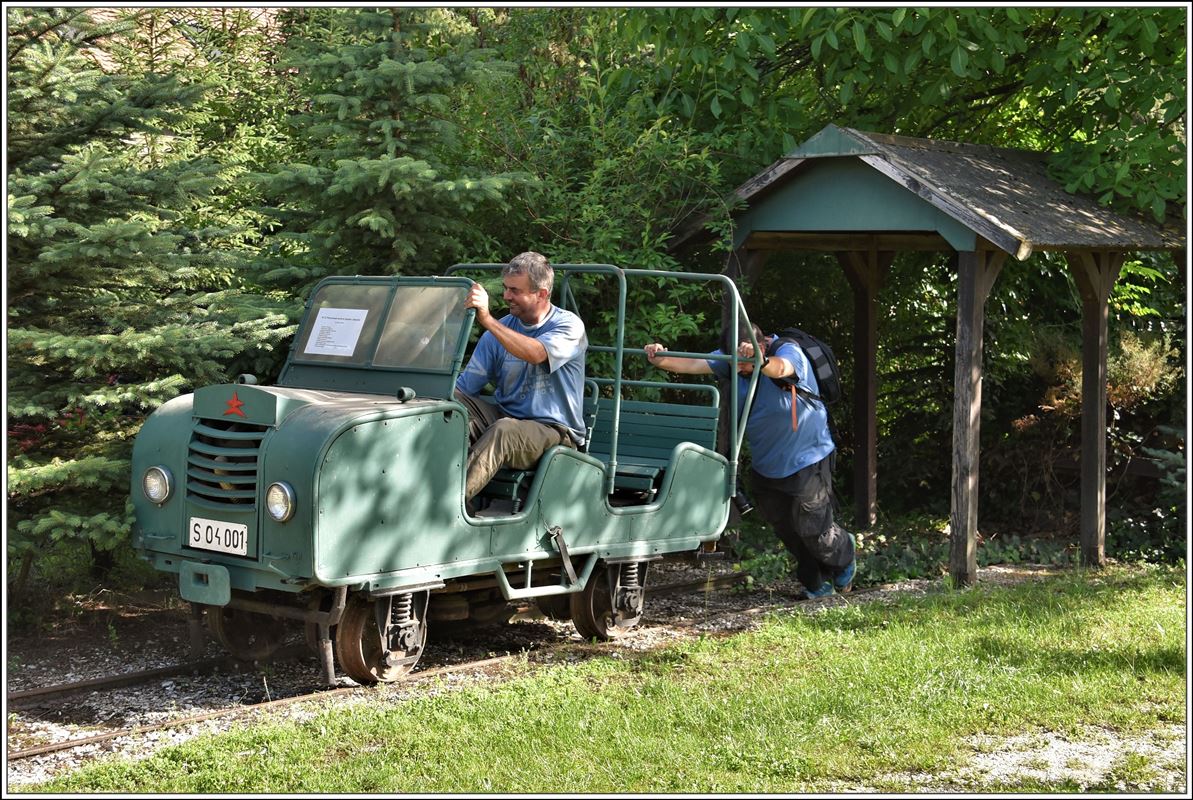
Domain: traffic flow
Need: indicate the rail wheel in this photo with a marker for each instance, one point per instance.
(610, 603)
(555, 606)
(367, 656)
(247, 635)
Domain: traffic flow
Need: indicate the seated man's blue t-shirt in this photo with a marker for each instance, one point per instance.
(551, 392)
(776, 451)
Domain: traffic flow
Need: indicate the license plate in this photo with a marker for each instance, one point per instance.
(223, 537)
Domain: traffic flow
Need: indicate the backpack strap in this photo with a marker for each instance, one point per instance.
(811, 397)
(793, 380)
(792, 384)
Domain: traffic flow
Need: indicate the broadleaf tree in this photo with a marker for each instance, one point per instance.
(1102, 89)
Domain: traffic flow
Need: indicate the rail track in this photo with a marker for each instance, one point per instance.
(46, 694)
(244, 709)
(208, 666)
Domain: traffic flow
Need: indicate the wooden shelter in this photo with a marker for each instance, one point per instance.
(866, 196)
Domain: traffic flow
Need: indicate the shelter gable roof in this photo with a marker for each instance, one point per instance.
(1003, 194)
(1011, 190)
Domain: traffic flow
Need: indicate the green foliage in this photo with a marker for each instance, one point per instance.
(168, 212)
(612, 178)
(1040, 78)
(1030, 468)
(1103, 87)
(238, 120)
(120, 294)
(1145, 286)
(1171, 500)
(379, 183)
(918, 547)
(1137, 371)
(762, 556)
(1153, 537)
(904, 548)
(1016, 549)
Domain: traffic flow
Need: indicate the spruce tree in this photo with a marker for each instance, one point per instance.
(117, 300)
(382, 185)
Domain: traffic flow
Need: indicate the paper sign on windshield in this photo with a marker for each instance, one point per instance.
(336, 331)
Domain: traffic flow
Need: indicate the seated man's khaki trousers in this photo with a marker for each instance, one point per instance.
(497, 440)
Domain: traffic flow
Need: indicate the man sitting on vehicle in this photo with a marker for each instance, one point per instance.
(534, 357)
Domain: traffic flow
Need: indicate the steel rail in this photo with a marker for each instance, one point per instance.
(70, 744)
(708, 585)
(206, 666)
(212, 665)
(116, 681)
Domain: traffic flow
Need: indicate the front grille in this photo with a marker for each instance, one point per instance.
(221, 464)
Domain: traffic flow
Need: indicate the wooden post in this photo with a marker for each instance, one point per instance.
(865, 272)
(743, 266)
(976, 271)
(1094, 274)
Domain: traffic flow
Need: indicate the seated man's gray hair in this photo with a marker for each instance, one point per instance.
(535, 266)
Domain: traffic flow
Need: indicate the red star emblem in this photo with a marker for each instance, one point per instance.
(234, 406)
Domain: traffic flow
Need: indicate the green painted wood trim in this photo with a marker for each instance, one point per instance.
(845, 195)
(833, 141)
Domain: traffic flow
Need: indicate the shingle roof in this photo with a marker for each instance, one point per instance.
(1003, 194)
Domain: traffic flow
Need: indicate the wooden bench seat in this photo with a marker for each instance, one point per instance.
(647, 434)
(511, 484)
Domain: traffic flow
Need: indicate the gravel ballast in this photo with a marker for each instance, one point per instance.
(129, 637)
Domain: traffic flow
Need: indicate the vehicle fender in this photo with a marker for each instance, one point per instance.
(162, 437)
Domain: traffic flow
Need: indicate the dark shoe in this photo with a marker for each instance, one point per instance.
(844, 582)
(742, 503)
(825, 590)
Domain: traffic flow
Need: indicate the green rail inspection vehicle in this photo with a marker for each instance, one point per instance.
(336, 497)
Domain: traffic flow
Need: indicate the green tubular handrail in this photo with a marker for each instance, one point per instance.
(567, 297)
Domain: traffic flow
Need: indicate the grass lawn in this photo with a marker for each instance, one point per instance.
(862, 695)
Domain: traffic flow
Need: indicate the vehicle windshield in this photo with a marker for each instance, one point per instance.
(357, 325)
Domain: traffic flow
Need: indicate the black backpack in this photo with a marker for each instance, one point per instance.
(824, 365)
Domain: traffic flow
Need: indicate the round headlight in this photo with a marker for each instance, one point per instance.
(157, 484)
(279, 501)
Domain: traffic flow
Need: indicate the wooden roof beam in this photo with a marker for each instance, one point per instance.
(836, 242)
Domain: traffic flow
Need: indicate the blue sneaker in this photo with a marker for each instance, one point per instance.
(844, 582)
(825, 590)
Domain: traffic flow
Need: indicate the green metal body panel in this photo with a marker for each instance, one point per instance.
(380, 501)
(390, 494)
(378, 481)
(845, 194)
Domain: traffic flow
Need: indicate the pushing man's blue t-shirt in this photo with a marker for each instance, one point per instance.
(776, 451)
(551, 392)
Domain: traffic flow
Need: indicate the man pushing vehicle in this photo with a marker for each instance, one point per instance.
(792, 454)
